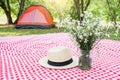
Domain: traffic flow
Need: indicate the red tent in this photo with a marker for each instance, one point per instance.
(35, 16)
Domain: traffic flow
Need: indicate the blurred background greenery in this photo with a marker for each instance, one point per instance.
(109, 10)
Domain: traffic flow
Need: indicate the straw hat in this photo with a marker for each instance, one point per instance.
(59, 57)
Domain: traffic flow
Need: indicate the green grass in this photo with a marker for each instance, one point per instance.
(112, 35)
(11, 31)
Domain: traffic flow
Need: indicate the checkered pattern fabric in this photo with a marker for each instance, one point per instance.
(19, 56)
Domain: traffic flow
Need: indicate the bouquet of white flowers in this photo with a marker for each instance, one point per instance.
(86, 33)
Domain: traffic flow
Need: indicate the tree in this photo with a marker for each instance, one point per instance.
(81, 6)
(59, 8)
(6, 6)
(21, 8)
(113, 10)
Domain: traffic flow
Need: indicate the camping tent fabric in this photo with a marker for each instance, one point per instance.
(35, 16)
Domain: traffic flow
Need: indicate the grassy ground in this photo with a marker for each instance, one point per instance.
(11, 31)
(113, 36)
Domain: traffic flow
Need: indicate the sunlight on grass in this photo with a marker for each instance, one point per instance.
(114, 37)
(11, 31)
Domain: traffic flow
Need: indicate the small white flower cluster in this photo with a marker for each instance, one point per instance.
(67, 22)
(87, 32)
(118, 29)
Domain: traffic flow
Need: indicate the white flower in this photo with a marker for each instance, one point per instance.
(90, 34)
(85, 41)
(82, 15)
(81, 37)
(85, 35)
(90, 15)
(85, 12)
(90, 28)
(78, 22)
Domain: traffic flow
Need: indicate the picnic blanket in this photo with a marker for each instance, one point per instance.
(19, 56)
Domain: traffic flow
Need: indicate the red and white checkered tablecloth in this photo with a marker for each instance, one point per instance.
(19, 56)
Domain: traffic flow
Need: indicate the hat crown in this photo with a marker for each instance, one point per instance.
(59, 54)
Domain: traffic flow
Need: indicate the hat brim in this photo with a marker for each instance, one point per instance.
(43, 62)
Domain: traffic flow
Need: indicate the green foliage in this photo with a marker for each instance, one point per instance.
(57, 10)
(100, 8)
(60, 9)
(73, 12)
(1, 11)
(114, 9)
(14, 7)
(113, 35)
